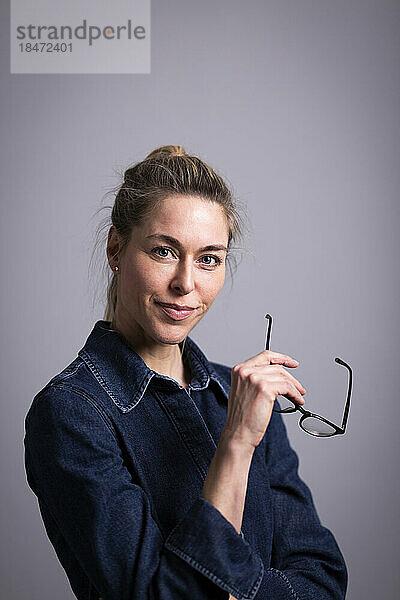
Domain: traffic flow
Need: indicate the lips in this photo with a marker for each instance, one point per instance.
(176, 306)
(177, 314)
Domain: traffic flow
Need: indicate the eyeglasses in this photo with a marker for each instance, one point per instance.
(310, 422)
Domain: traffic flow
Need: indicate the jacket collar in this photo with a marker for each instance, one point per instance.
(125, 376)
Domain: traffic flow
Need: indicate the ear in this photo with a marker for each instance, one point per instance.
(113, 246)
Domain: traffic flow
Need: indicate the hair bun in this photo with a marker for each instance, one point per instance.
(168, 150)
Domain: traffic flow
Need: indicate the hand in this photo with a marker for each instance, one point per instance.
(255, 384)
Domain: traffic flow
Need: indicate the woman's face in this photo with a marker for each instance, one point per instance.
(176, 257)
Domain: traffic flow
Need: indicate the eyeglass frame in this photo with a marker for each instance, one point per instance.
(306, 413)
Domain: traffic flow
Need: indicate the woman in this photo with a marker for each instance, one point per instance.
(160, 474)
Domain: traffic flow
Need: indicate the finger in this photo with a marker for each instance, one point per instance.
(267, 357)
(282, 387)
(280, 371)
(290, 377)
(290, 391)
(296, 397)
(288, 362)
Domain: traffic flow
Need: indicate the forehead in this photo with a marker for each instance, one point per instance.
(189, 219)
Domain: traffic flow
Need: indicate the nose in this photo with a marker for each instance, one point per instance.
(183, 280)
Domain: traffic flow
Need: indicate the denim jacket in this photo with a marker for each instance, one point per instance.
(117, 455)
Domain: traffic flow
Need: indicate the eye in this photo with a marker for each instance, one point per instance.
(164, 249)
(217, 260)
(162, 252)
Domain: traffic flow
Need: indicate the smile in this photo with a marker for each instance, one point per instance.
(177, 315)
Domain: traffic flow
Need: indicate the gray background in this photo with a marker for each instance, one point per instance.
(296, 103)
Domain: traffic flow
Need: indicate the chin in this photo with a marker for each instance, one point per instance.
(171, 341)
(170, 335)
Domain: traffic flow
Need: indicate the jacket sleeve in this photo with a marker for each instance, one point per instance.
(306, 562)
(75, 467)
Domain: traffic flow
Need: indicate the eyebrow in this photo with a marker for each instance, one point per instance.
(171, 240)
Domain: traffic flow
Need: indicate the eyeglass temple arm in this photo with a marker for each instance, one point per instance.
(268, 334)
(347, 407)
(337, 359)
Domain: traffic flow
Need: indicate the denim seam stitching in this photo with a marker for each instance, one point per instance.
(204, 423)
(286, 580)
(91, 401)
(177, 428)
(67, 374)
(221, 384)
(195, 563)
(210, 370)
(203, 369)
(102, 382)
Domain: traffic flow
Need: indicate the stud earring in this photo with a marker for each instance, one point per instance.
(116, 268)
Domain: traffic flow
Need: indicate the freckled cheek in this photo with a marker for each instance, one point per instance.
(208, 293)
(149, 283)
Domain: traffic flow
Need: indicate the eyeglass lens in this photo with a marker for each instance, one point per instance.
(309, 422)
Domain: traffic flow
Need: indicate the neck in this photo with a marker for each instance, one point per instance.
(165, 359)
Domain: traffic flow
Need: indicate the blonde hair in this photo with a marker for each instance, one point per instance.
(166, 171)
